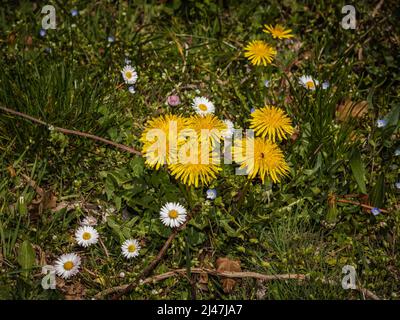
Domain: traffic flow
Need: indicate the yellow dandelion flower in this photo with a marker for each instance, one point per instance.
(208, 126)
(197, 171)
(271, 122)
(261, 157)
(161, 139)
(278, 31)
(259, 52)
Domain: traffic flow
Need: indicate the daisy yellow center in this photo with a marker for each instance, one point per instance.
(68, 265)
(202, 107)
(86, 236)
(310, 84)
(128, 74)
(131, 248)
(173, 214)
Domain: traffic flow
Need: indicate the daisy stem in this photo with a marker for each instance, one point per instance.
(243, 193)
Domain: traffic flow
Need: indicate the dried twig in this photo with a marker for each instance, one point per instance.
(360, 204)
(254, 275)
(72, 132)
(182, 272)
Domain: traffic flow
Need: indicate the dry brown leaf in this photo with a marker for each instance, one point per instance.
(74, 291)
(11, 171)
(226, 264)
(349, 109)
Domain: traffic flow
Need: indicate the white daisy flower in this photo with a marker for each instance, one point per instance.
(173, 214)
(228, 132)
(203, 106)
(130, 248)
(308, 82)
(89, 221)
(129, 74)
(86, 236)
(68, 265)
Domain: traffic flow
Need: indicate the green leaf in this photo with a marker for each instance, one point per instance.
(116, 229)
(137, 166)
(195, 237)
(392, 121)
(378, 193)
(26, 257)
(357, 167)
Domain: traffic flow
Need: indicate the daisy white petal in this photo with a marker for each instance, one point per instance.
(203, 106)
(130, 248)
(86, 236)
(173, 214)
(308, 82)
(129, 74)
(67, 265)
(89, 221)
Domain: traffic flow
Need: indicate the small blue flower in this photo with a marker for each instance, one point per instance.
(381, 123)
(252, 110)
(42, 32)
(128, 61)
(397, 152)
(325, 85)
(211, 194)
(266, 83)
(397, 184)
(74, 12)
(110, 39)
(131, 89)
(375, 211)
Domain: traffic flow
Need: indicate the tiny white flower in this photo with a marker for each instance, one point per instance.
(173, 214)
(381, 123)
(228, 132)
(122, 274)
(397, 152)
(130, 248)
(86, 236)
(211, 194)
(68, 265)
(203, 106)
(308, 82)
(325, 85)
(131, 89)
(89, 221)
(397, 184)
(266, 83)
(129, 74)
(375, 211)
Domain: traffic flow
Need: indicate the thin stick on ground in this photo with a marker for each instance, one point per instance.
(72, 132)
(182, 272)
(227, 274)
(360, 204)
